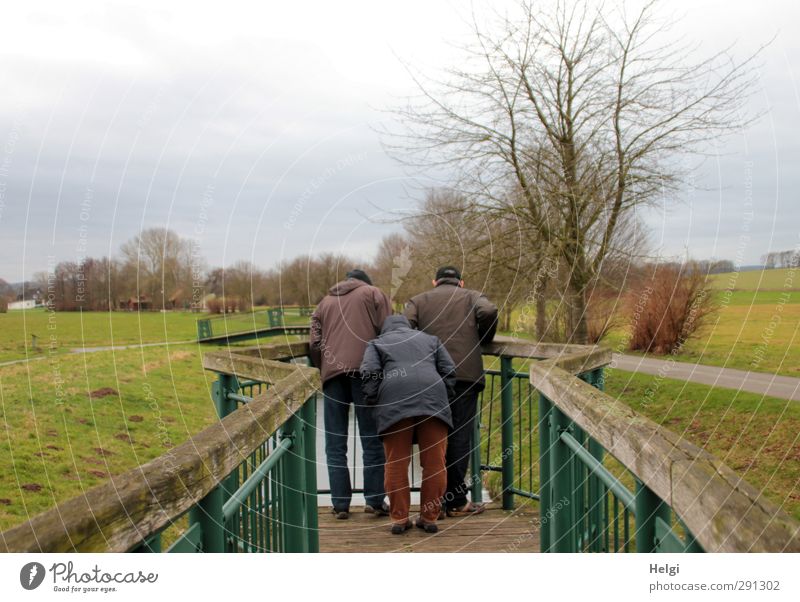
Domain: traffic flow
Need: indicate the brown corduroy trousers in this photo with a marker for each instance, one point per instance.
(432, 438)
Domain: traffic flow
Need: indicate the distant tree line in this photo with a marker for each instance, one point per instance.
(160, 270)
(781, 259)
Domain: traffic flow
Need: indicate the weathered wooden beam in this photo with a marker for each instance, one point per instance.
(525, 348)
(249, 367)
(584, 361)
(274, 351)
(115, 516)
(722, 511)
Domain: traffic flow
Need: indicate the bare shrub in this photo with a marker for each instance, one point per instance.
(669, 308)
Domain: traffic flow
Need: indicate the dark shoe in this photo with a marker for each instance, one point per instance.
(341, 514)
(398, 529)
(467, 510)
(382, 511)
(427, 527)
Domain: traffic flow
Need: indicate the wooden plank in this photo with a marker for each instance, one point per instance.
(252, 368)
(493, 531)
(276, 351)
(525, 348)
(115, 516)
(722, 511)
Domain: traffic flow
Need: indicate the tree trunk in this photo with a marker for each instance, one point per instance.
(541, 316)
(506, 319)
(579, 326)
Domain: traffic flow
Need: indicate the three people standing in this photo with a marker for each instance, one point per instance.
(422, 372)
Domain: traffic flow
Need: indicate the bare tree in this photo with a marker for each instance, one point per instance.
(160, 262)
(585, 111)
(397, 270)
(306, 279)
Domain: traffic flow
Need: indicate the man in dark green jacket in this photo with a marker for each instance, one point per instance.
(462, 319)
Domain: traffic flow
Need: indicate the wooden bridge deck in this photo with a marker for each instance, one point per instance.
(495, 530)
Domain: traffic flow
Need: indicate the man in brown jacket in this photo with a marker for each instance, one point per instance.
(463, 319)
(350, 315)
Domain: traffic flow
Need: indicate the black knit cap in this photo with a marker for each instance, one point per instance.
(359, 275)
(448, 271)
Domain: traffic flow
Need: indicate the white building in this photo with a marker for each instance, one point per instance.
(26, 304)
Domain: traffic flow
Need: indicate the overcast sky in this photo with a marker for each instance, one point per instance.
(253, 127)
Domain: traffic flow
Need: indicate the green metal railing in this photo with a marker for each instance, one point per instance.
(269, 502)
(252, 325)
(586, 508)
(505, 407)
(542, 455)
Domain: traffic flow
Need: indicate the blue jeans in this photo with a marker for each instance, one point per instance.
(340, 391)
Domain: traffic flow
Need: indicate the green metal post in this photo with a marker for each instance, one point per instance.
(691, 543)
(293, 486)
(561, 485)
(579, 477)
(208, 513)
(597, 526)
(225, 384)
(151, 544)
(545, 493)
(507, 432)
(310, 456)
(204, 329)
(648, 507)
(476, 490)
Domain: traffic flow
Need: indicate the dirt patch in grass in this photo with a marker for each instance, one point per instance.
(103, 392)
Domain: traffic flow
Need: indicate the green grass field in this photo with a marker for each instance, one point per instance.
(758, 437)
(112, 412)
(90, 329)
(758, 280)
(100, 329)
